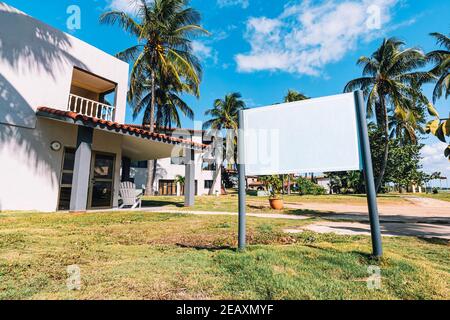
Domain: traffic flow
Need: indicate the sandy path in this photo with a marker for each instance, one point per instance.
(417, 207)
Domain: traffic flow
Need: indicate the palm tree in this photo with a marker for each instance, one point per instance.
(180, 181)
(168, 102)
(293, 96)
(442, 68)
(387, 85)
(168, 108)
(164, 30)
(224, 115)
(225, 112)
(405, 124)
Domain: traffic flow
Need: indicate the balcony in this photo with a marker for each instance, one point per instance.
(92, 96)
(90, 108)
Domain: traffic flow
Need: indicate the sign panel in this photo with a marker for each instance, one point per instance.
(316, 135)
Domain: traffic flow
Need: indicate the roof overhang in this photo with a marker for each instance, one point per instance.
(91, 82)
(137, 144)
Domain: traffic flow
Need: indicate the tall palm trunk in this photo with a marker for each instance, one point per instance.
(379, 179)
(151, 164)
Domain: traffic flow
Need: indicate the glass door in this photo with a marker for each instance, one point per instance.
(102, 181)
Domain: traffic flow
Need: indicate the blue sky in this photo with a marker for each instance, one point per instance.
(262, 48)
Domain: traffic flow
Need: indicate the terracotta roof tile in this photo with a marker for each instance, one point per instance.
(114, 126)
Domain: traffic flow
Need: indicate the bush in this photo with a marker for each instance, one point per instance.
(307, 187)
(435, 191)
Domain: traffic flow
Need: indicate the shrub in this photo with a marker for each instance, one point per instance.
(307, 187)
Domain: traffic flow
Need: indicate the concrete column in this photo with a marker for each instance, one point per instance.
(190, 178)
(126, 166)
(81, 171)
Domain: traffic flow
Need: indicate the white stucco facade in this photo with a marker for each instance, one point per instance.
(36, 69)
(41, 68)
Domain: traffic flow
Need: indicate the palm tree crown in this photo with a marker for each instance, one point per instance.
(224, 114)
(441, 58)
(164, 29)
(294, 95)
(388, 82)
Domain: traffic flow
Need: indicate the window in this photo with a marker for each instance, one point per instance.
(66, 179)
(209, 166)
(139, 164)
(209, 184)
(167, 188)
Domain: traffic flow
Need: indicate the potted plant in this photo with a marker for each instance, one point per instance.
(274, 185)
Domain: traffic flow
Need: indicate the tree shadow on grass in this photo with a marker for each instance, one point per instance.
(161, 203)
(308, 212)
(211, 248)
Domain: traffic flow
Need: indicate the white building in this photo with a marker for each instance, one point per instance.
(208, 176)
(62, 109)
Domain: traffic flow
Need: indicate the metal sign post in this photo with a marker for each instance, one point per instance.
(368, 175)
(242, 184)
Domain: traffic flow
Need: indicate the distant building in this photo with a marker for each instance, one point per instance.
(208, 177)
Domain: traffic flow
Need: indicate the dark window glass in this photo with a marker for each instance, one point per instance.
(69, 160)
(103, 166)
(208, 184)
(207, 166)
(64, 198)
(101, 194)
(67, 179)
(139, 164)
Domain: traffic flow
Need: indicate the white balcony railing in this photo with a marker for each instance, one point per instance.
(90, 108)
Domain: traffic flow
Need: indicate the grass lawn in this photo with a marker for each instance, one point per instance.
(255, 204)
(164, 256)
(445, 196)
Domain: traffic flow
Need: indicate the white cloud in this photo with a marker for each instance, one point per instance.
(309, 35)
(227, 3)
(128, 6)
(204, 52)
(434, 159)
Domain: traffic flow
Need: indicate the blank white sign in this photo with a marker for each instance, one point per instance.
(316, 135)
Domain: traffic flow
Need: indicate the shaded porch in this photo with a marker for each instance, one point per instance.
(91, 177)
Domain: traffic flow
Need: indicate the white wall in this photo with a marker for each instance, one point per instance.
(30, 171)
(36, 65)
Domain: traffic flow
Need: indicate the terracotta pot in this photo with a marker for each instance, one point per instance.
(276, 204)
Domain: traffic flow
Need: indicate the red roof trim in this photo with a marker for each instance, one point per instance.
(118, 127)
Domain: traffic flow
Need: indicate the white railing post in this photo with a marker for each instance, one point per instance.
(90, 108)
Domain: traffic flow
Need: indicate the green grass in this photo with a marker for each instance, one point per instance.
(444, 196)
(255, 204)
(164, 256)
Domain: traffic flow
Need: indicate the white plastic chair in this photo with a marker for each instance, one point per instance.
(131, 197)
